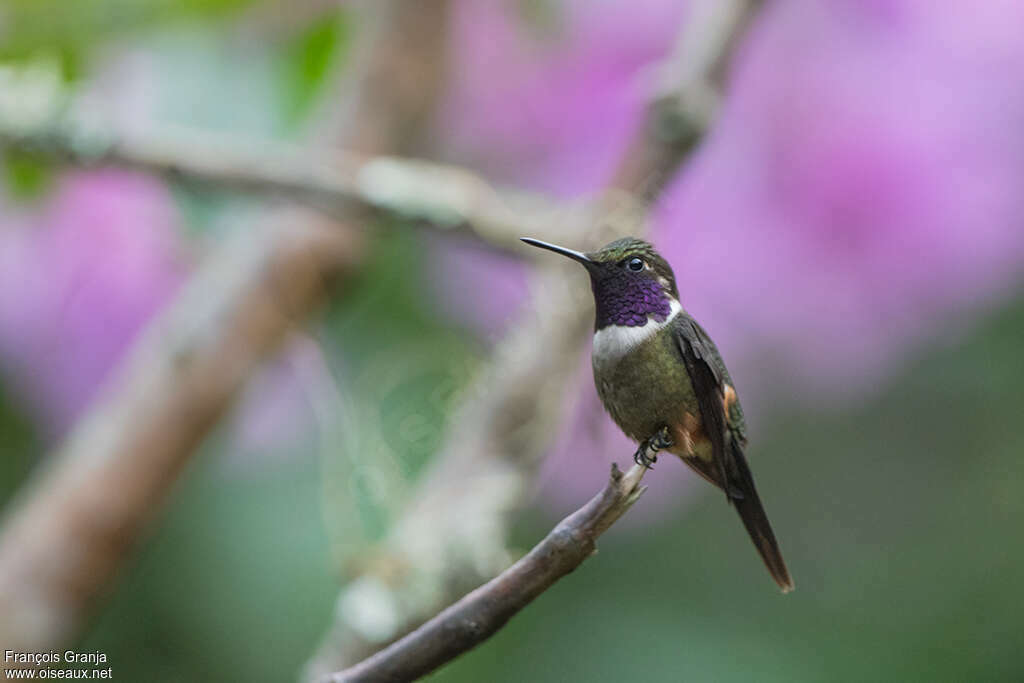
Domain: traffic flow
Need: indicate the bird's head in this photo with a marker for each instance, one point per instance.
(632, 282)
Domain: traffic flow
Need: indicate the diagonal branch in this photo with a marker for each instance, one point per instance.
(484, 611)
(72, 526)
(686, 91)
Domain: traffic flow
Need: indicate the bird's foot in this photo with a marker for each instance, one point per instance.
(659, 441)
(641, 457)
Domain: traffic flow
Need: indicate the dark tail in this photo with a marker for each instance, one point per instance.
(749, 507)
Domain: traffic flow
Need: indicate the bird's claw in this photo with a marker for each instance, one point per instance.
(641, 457)
(661, 440)
(658, 442)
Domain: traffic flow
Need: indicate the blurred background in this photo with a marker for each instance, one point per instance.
(849, 230)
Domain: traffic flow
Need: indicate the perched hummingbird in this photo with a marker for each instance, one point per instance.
(663, 381)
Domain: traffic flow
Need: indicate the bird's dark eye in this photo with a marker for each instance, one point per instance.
(635, 264)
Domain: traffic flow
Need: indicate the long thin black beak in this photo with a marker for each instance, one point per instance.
(570, 253)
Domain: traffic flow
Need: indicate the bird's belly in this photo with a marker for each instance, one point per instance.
(646, 389)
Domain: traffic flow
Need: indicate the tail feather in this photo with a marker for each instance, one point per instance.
(751, 511)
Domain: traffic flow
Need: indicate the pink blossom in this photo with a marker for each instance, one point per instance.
(78, 279)
(859, 194)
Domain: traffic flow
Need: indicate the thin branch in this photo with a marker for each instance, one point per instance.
(686, 90)
(484, 611)
(401, 45)
(72, 526)
(400, 67)
(446, 198)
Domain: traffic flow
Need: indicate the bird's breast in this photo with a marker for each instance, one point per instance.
(644, 386)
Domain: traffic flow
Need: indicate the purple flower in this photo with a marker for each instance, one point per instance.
(858, 194)
(860, 189)
(551, 108)
(78, 279)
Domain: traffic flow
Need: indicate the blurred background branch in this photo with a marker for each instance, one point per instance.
(72, 527)
(448, 199)
(685, 90)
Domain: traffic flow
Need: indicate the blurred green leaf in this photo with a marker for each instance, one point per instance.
(235, 586)
(310, 59)
(543, 18)
(73, 27)
(238, 581)
(18, 443)
(26, 176)
(403, 368)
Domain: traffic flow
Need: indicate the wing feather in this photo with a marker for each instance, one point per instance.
(727, 434)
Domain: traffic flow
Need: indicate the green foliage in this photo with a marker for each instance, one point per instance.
(235, 586)
(27, 177)
(391, 302)
(308, 61)
(71, 28)
(542, 18)
(18, 443)
(403, 369)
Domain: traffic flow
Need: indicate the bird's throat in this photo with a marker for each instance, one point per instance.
(612, 342)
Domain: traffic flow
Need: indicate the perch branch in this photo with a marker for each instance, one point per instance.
(484, 611)
(453, 532)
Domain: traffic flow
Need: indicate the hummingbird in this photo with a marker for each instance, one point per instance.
(664, 383)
